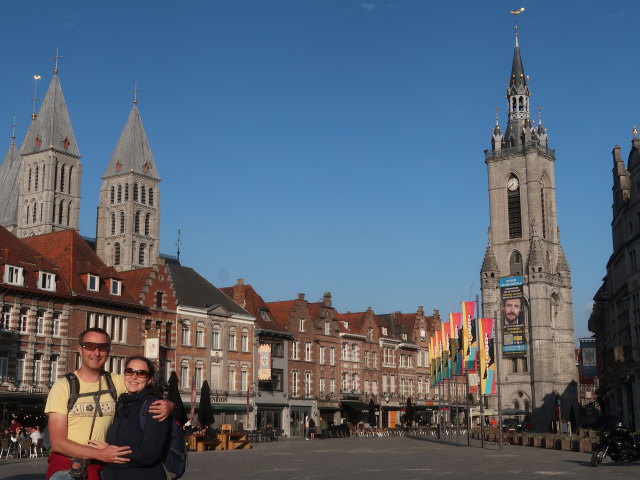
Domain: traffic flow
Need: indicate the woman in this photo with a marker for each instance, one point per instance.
(148, 438)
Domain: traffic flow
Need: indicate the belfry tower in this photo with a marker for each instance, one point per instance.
(524, 241)
(128, 228)
(50, 169)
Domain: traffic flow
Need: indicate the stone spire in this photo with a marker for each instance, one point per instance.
(563, 265)
(490, 264)
(537, 257)
(51, 129)
(517, 100)
(10, 186)
(132, 152)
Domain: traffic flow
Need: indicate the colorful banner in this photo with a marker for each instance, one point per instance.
(455, 322)
(439, 376)
(513, 325)
(432, 358)
(487, 356)
(264, 362)
(446, 354)
(469, 341)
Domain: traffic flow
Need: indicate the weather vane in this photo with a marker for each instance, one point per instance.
(515, 14)
(178, 244)
(35, 99)
(540, 108)
(635, 131)
(497, 110)
(135, 92)
(13, 128)
(55, 59)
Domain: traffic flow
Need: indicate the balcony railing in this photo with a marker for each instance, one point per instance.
(529, 146)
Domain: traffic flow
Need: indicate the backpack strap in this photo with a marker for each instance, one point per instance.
(74, 389)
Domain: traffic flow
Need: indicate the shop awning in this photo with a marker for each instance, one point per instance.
(354, 405)
(237, 408)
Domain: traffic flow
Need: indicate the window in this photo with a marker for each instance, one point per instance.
(53, 368)
(215, 377)
(55, 324)
(167, 333)
(277, 349)
(184, 374)
(374, 360)
(40, 322)
(322, 386)
(116, 287)
(366, 359)
(126, 192)
(135, 192)
(186, 333)
(513, 207)
(20, 367)
(112, 221)
(302, 324)
(385, 384)
(354, 352)
(244, 379)
(147, 223)
(136, 222)
(332, 356)
(277, 382)
(384, 330)
(121, 222)
(200, 334)
(515, 263)
(47, 281)
(322, 360)
(119, 193)
(232, 338)
(37, 368)
(294, 350)
(93, 282)
(199, 374)
(24, 319)
(13, 275)
(354, 381)
(151, 196)
(332, 385)
(143, 194)
(159, 296)
(327, 328)
(294, 383)
(112, 194)
(232, 377)
(345, 351)
(345, 381)
(215, 337)
(116, 254)
(307, 384)
(410, 361)
(244, 340)
(6, 317)
(141, 253)
(307, 351)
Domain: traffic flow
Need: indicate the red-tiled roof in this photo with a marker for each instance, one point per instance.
(255, 304)
(281, 311)
(135, 280)
(354, 320)
(17, 253)
(75, 258)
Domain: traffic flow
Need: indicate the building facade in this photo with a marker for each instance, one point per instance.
(524, 241)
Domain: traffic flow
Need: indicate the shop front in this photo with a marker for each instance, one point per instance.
(297, 415)
(231, 414)
(270, 415)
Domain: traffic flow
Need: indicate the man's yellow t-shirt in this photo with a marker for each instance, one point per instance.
(80, 418)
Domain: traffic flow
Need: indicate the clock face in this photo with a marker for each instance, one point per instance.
(512, 184)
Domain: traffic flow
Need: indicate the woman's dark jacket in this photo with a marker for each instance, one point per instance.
(148, 445)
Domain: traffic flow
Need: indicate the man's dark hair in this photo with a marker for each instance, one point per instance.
(504, 300)
(94, 330)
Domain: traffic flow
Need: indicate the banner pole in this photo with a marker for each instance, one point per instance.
(498, 355)
(469, 418)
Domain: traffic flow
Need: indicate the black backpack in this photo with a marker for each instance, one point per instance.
(175, 460)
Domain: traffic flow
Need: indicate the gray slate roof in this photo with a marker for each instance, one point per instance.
(9, 186)
(52, 125)
(194, 290)
(132, 152)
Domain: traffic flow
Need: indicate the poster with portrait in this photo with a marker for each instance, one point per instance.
(514, 342)
(264, 362)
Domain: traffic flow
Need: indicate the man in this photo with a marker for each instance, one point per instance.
(511, 308)
(91, 416)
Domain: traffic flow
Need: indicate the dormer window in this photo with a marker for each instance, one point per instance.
(384, 330)
(265, 314)
(46, 281)
(302, 324)
(404, 336)
(116, 287)
(345, 324)
(93, 282)
(13, 275)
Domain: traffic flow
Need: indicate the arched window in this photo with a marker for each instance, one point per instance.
(136, 222)
(151, 196)
(135, 192)
(513, 104)
(141, 253)
(116, 254)
(29, 181)
(147, 222)
(200, 334)
(121, 221)
(70, 178)
(143, 194)
(126, 192)
(63, 173)
(112, 219)
(515, 263)
(60, 211)
(513, 207)
(69, 205)
(521, 104)
(55, 175)
(34, 210)
(28, 214)
(43, 175)
(112, 194)
(119, 193)
(35, 184)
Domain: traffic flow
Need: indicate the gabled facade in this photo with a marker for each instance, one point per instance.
(128, 227)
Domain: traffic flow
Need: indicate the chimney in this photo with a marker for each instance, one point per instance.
(301, 297)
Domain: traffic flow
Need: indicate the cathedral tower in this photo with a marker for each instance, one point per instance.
(537, 362)
(50, 169)
(128, 228)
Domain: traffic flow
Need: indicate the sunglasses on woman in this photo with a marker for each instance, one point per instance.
(140, 373)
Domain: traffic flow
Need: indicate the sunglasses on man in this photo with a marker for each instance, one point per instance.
(140, 373)
(91, 347)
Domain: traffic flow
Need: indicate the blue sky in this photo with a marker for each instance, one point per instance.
(337, 145)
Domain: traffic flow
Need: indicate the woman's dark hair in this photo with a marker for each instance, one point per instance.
(150, 368)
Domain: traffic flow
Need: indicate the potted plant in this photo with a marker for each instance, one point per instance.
(563, 443)
(586, 445)
(548, 441)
